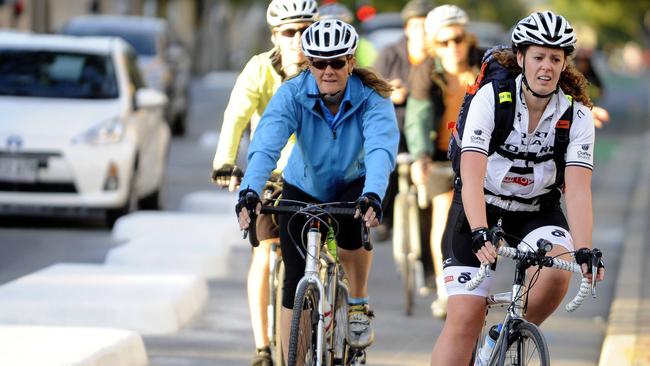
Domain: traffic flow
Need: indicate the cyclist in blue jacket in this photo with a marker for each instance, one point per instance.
(346, 143)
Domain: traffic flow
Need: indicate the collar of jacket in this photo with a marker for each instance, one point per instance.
(358, 93)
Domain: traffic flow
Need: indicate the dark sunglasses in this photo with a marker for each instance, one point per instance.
(291, 32)
(457, 40)
(322, 64)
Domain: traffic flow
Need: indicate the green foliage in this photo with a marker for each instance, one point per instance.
(615, 21)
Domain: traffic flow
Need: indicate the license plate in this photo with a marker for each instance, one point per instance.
(18, 170)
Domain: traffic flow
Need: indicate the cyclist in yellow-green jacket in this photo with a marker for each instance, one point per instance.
(255, 86)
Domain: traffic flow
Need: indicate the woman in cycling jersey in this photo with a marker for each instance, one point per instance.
(255, 86)
(437, 90)
(346, 142)
(520, 190)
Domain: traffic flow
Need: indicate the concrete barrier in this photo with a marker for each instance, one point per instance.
(186, 254)
(217, 201)
(103, 296)
(38, 345)
(223, 228)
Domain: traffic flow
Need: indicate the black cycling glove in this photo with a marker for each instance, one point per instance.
(367, 200)
(222, 175)
(587, 256)
(247, 198)
(479, 237)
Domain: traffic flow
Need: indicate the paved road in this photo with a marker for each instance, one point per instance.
(222, 336)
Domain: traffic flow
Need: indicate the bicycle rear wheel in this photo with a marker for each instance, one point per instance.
(526, 346)
(303, 340)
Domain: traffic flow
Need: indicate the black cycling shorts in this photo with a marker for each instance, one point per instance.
(349, 234)
(460, 262)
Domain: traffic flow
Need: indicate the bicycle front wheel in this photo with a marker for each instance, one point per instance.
(525, 346)
(303, 339)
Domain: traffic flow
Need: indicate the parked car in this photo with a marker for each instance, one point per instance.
(79, 131)
(163, 61)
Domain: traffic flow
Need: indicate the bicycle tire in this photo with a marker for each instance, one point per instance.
(340, 331)
(401, 238)
(304, 327)
(278, 358)
(515, 351)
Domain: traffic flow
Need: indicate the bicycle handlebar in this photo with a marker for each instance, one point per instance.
(310, 210)
(514, 253)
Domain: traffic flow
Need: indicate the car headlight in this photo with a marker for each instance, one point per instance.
(107, 132)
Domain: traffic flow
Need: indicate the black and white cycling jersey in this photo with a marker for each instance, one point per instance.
(518, 177)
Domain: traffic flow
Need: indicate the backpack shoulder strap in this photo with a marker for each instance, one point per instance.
(561, 143)
(504, 112)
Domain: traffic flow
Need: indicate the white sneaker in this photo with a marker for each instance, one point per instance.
(360, 332)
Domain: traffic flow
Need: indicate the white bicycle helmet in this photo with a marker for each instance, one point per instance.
(442, 16)
(335, 11)
(544, 29)
(291, 11)
(329, 38)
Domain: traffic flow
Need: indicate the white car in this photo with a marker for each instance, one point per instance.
(79, 132)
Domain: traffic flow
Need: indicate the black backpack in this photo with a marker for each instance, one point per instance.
(503, 82)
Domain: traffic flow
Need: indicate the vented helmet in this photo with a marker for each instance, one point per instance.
(291, 11)
(544, 29)
(329, 38)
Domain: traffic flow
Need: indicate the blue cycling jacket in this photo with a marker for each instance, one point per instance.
(325, 159)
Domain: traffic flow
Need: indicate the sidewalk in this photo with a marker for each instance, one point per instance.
(627, 340)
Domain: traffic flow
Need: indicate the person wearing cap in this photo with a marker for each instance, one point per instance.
(520, 192)
(395, 62)
(437, 91)
(346, 143)
(255, 86)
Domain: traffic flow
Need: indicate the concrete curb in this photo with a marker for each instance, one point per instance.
(82, 346)
(624, 336)
(145, 301)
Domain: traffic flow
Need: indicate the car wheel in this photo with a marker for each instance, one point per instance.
(131, 204)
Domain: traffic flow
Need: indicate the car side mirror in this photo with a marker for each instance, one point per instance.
(149, 98)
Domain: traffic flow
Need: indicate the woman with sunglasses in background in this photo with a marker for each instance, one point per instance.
(437, 90)
(260, 79)
(346, 143)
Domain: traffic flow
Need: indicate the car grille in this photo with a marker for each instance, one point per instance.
(40, 187)
(36, 187)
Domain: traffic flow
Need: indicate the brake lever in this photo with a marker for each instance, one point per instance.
(596, 255)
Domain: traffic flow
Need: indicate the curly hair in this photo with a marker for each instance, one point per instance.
(572, 82)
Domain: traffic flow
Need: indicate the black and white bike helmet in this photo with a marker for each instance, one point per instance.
(544, 29)
(291, 11)
(329, 38)
(442, 16)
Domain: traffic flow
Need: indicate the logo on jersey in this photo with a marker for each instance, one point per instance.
(522, 181)
(464, 277)
(449, 279)
(558, 233)
(584, 154)
(476, 137)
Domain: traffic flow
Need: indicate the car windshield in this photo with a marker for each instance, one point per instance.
(51, 74)
(144, 43)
